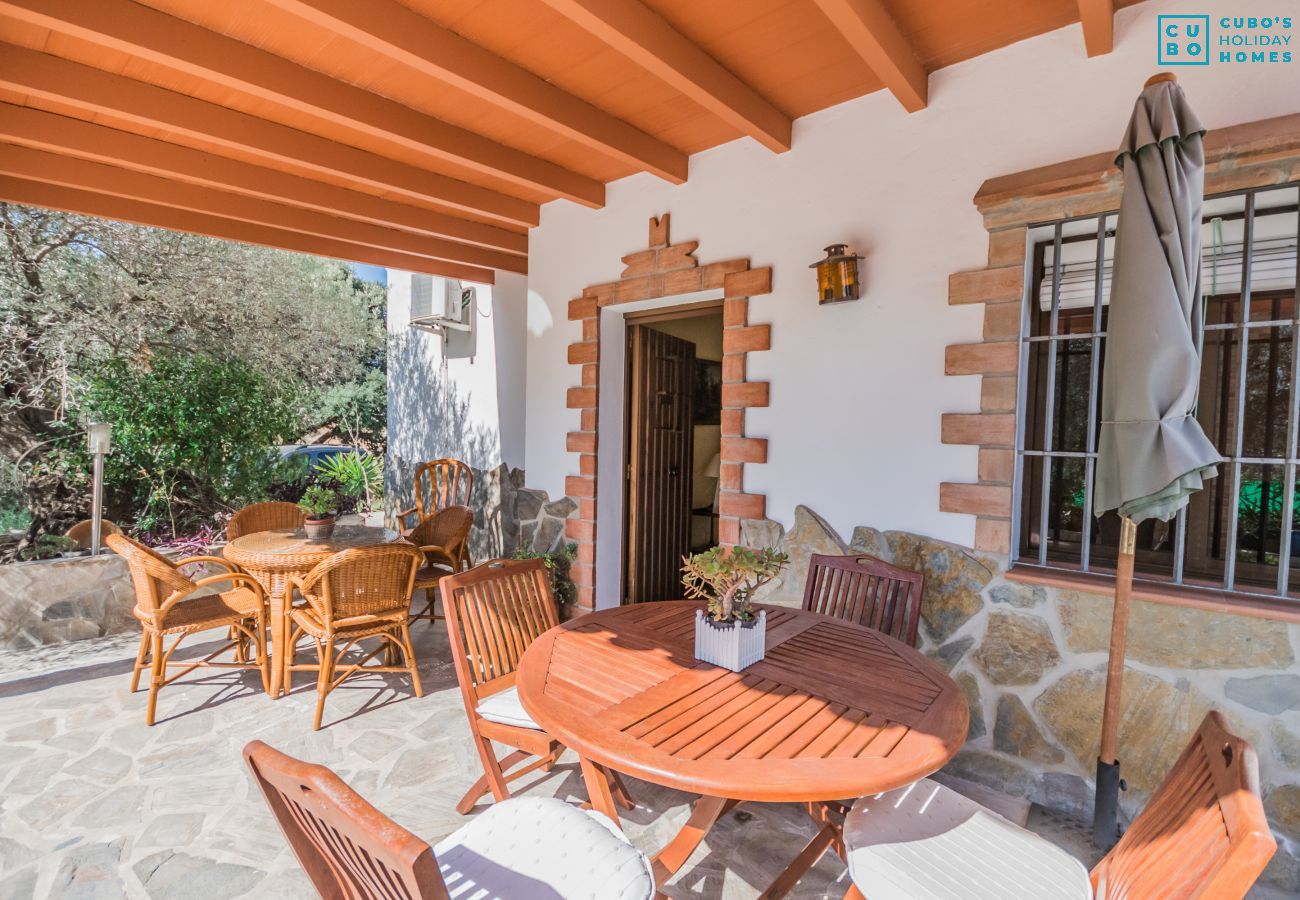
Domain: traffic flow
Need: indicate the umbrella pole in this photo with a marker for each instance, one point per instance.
(1105, 816)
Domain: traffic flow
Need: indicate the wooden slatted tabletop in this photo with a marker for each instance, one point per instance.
(835, 710)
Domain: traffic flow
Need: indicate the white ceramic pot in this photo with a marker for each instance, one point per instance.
(733, 646)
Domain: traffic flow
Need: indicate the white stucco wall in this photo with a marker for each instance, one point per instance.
(471, 409)
(858, 388)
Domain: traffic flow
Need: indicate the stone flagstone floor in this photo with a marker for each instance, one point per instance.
(94, 804)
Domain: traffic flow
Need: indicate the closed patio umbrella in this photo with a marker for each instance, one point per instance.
(1152, 454)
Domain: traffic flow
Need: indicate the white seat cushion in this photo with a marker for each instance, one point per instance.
(504, 708)
(541, 848)
(927, 842)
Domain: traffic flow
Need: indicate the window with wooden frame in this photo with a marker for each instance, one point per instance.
(1242, 533)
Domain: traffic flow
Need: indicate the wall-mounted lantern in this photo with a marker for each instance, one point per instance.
(99, 441)
(837, 275)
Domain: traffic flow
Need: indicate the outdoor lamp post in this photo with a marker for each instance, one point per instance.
(99, 441)
(837, 275)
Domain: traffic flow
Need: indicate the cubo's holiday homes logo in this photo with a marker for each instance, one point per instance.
(1185, 40)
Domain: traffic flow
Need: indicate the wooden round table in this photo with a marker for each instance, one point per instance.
(272, 556)
(834, 711)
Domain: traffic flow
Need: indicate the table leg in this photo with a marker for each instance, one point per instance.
(598, 790)
(279, 635)
(707, 810)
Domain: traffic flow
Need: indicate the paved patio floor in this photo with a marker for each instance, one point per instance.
(95, 804)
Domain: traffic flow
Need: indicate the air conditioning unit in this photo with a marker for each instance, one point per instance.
(441, 304)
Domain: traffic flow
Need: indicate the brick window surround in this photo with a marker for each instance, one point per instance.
(1255, 154)
(660, 271)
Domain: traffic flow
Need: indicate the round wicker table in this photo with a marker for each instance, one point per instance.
(834, 711)
(272, 556)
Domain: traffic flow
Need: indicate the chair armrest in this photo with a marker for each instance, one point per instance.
(216, 560)
(404, 513)
(235, 578)
(433, 550)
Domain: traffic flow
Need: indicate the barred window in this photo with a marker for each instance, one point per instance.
(1242, 533)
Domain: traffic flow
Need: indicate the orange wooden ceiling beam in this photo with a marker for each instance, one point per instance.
(874, 35)
(64, 134)
(40, 74)
(408, 37)
(74, 200)
(1098, 20)
(101, 178)
(145, 33)
(643, 36)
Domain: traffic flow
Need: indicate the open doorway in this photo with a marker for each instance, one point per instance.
(673, 438)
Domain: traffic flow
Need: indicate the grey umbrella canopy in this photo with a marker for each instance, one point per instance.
(1151, 452)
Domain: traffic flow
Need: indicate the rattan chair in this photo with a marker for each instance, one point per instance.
(164, 605)
(535, 847)
(866, 591)
(494, 612)
(269, 516)
(443, 538)
(360, 593)
(446, 482)
(81, 532)
(1202, 835)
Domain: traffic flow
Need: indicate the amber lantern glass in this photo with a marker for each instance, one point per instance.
(837, 275)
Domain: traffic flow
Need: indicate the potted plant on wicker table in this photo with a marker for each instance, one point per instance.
(730, 634)
(320, 505)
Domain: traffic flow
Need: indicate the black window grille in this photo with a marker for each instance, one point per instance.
(1242, 533)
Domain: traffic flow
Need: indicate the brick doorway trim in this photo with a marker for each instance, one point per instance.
(660, 271)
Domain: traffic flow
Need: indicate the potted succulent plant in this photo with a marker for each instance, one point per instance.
(730, 634)
(320, 504)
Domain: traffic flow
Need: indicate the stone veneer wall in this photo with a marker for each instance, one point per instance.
(1032, 662)
(52, 601)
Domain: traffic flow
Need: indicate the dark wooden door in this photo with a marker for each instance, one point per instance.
(661, 439)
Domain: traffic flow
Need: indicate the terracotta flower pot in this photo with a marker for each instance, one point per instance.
(318, 529)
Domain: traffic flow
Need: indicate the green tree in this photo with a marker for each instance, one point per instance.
(191, 433)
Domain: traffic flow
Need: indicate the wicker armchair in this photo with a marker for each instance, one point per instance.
(443, 538)
(447, 482)
(269, 516)
(164, 605)
(356, 594)
(81, 532)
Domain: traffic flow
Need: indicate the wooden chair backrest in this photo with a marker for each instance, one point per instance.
(348, 848)
(448, 528)
(1203, 834)
(494, 611)
(268, 516)
(81, 532)
(154, 576)
(447, 482)
(362, 581)
(866, 591)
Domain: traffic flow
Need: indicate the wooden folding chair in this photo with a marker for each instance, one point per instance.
(443, 538)
(446, 482)
(866, 591)
(364, 592)
(530, 847)
(1202, 835)
(493, 613)
(269, 516)
(164, 604)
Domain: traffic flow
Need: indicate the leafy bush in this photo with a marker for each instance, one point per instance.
(48, 546)
(318, 502)
(360, 477)
(190, 434)
(558, 565)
